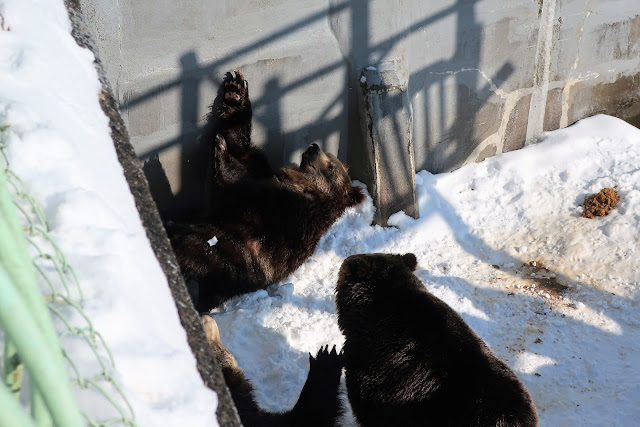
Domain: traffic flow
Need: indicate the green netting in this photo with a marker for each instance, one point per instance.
(41, 314)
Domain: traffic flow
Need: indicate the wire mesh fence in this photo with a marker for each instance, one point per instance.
(88, 365)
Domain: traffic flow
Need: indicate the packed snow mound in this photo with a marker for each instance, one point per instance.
(58, 142)
(503, 243)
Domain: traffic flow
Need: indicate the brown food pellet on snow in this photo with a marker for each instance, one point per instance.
(600, 204)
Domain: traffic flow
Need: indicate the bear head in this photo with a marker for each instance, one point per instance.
(329, 175)
(366, 281)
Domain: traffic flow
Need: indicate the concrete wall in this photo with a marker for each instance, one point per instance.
(486, 76)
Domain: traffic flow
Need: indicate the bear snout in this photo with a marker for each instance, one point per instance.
(313, 150)
(310, 155)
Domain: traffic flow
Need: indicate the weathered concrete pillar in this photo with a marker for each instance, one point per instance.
(385, 113)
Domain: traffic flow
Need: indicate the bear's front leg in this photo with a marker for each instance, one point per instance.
(235, 113)
(227, 169)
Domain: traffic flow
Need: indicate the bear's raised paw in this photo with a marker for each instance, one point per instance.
(235, 94)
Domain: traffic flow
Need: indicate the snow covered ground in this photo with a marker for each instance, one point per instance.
(502, 241)
(59, 144)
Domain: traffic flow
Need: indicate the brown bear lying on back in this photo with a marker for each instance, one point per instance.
(266, 223)
(411, 360)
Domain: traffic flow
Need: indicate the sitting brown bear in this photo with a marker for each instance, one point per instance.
(265, 226)
(319, 403)
(411, 360)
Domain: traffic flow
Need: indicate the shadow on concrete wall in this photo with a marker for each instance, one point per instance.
(451, 150)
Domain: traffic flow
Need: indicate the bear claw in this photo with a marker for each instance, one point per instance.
(235, 94)
(327, 360)
(221, 143)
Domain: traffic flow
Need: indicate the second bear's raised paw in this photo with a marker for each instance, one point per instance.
(327, 361)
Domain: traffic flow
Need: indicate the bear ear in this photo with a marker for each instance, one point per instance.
(410, 261)
(353, 269)
(356, 196)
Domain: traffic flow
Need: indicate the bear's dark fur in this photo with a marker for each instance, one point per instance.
(411, 360)
(266, 226)
(229, 121)
(319, 403)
